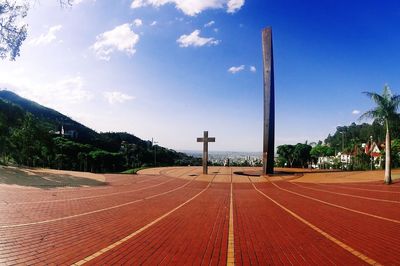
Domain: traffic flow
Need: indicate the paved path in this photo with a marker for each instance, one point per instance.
(177, 216)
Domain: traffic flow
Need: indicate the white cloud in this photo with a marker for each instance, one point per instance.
(194, 39)
(234, 5)
(137, 3)
(68, 95)
(356, 112)
(77, 2)
(71, 90)
(235, 70)
(253, 69)
(138, 22)
(192, 7)
(153, 23)
(121, 38)
(117, 97)
(47, 37)
(59, 94)
(209, 24)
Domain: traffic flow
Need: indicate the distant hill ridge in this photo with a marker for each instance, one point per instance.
(31, 134)
(49, 115)
(110, 141)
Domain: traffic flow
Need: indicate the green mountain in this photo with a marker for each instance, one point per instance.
(35, 135)
(54, 118)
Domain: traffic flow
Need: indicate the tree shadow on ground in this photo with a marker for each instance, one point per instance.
(15, 176)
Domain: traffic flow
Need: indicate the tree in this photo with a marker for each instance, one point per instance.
(3, 137)
(287, 153)
(395, 152)
(28, 141)
(386, 112)
(128, 150)
(302, 154)
(321, 151)
(103, 161)
(12, 32)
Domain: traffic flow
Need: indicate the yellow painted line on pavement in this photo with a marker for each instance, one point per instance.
(356, 253)
(338, 206)
(345, 194)
(123, 240)
(96, 211)
(92, 197)
(363, 189)
(231, 236)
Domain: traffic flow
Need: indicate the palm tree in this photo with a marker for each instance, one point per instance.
(385, 112)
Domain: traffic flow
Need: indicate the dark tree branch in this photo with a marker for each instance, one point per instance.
(12, 32)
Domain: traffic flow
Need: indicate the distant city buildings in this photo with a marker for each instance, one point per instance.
(221, 158)
(236, 159)
(346, 159)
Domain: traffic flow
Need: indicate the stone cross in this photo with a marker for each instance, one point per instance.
(269, 102)
(205, 139)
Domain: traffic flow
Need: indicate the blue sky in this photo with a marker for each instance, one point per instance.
(170, 69)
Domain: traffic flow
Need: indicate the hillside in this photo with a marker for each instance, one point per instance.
(54, 118)
(35, 135)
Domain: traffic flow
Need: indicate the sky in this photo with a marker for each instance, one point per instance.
(170, 69)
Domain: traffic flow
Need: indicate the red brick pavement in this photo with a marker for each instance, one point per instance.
(17, 194)
(380, 207)
(64, 226)
(265, 234)
(376, 238)
(196, 233)
(66, 241)
(379, 192)
(42, 211)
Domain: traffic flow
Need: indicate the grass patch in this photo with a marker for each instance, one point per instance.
(133, 171)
